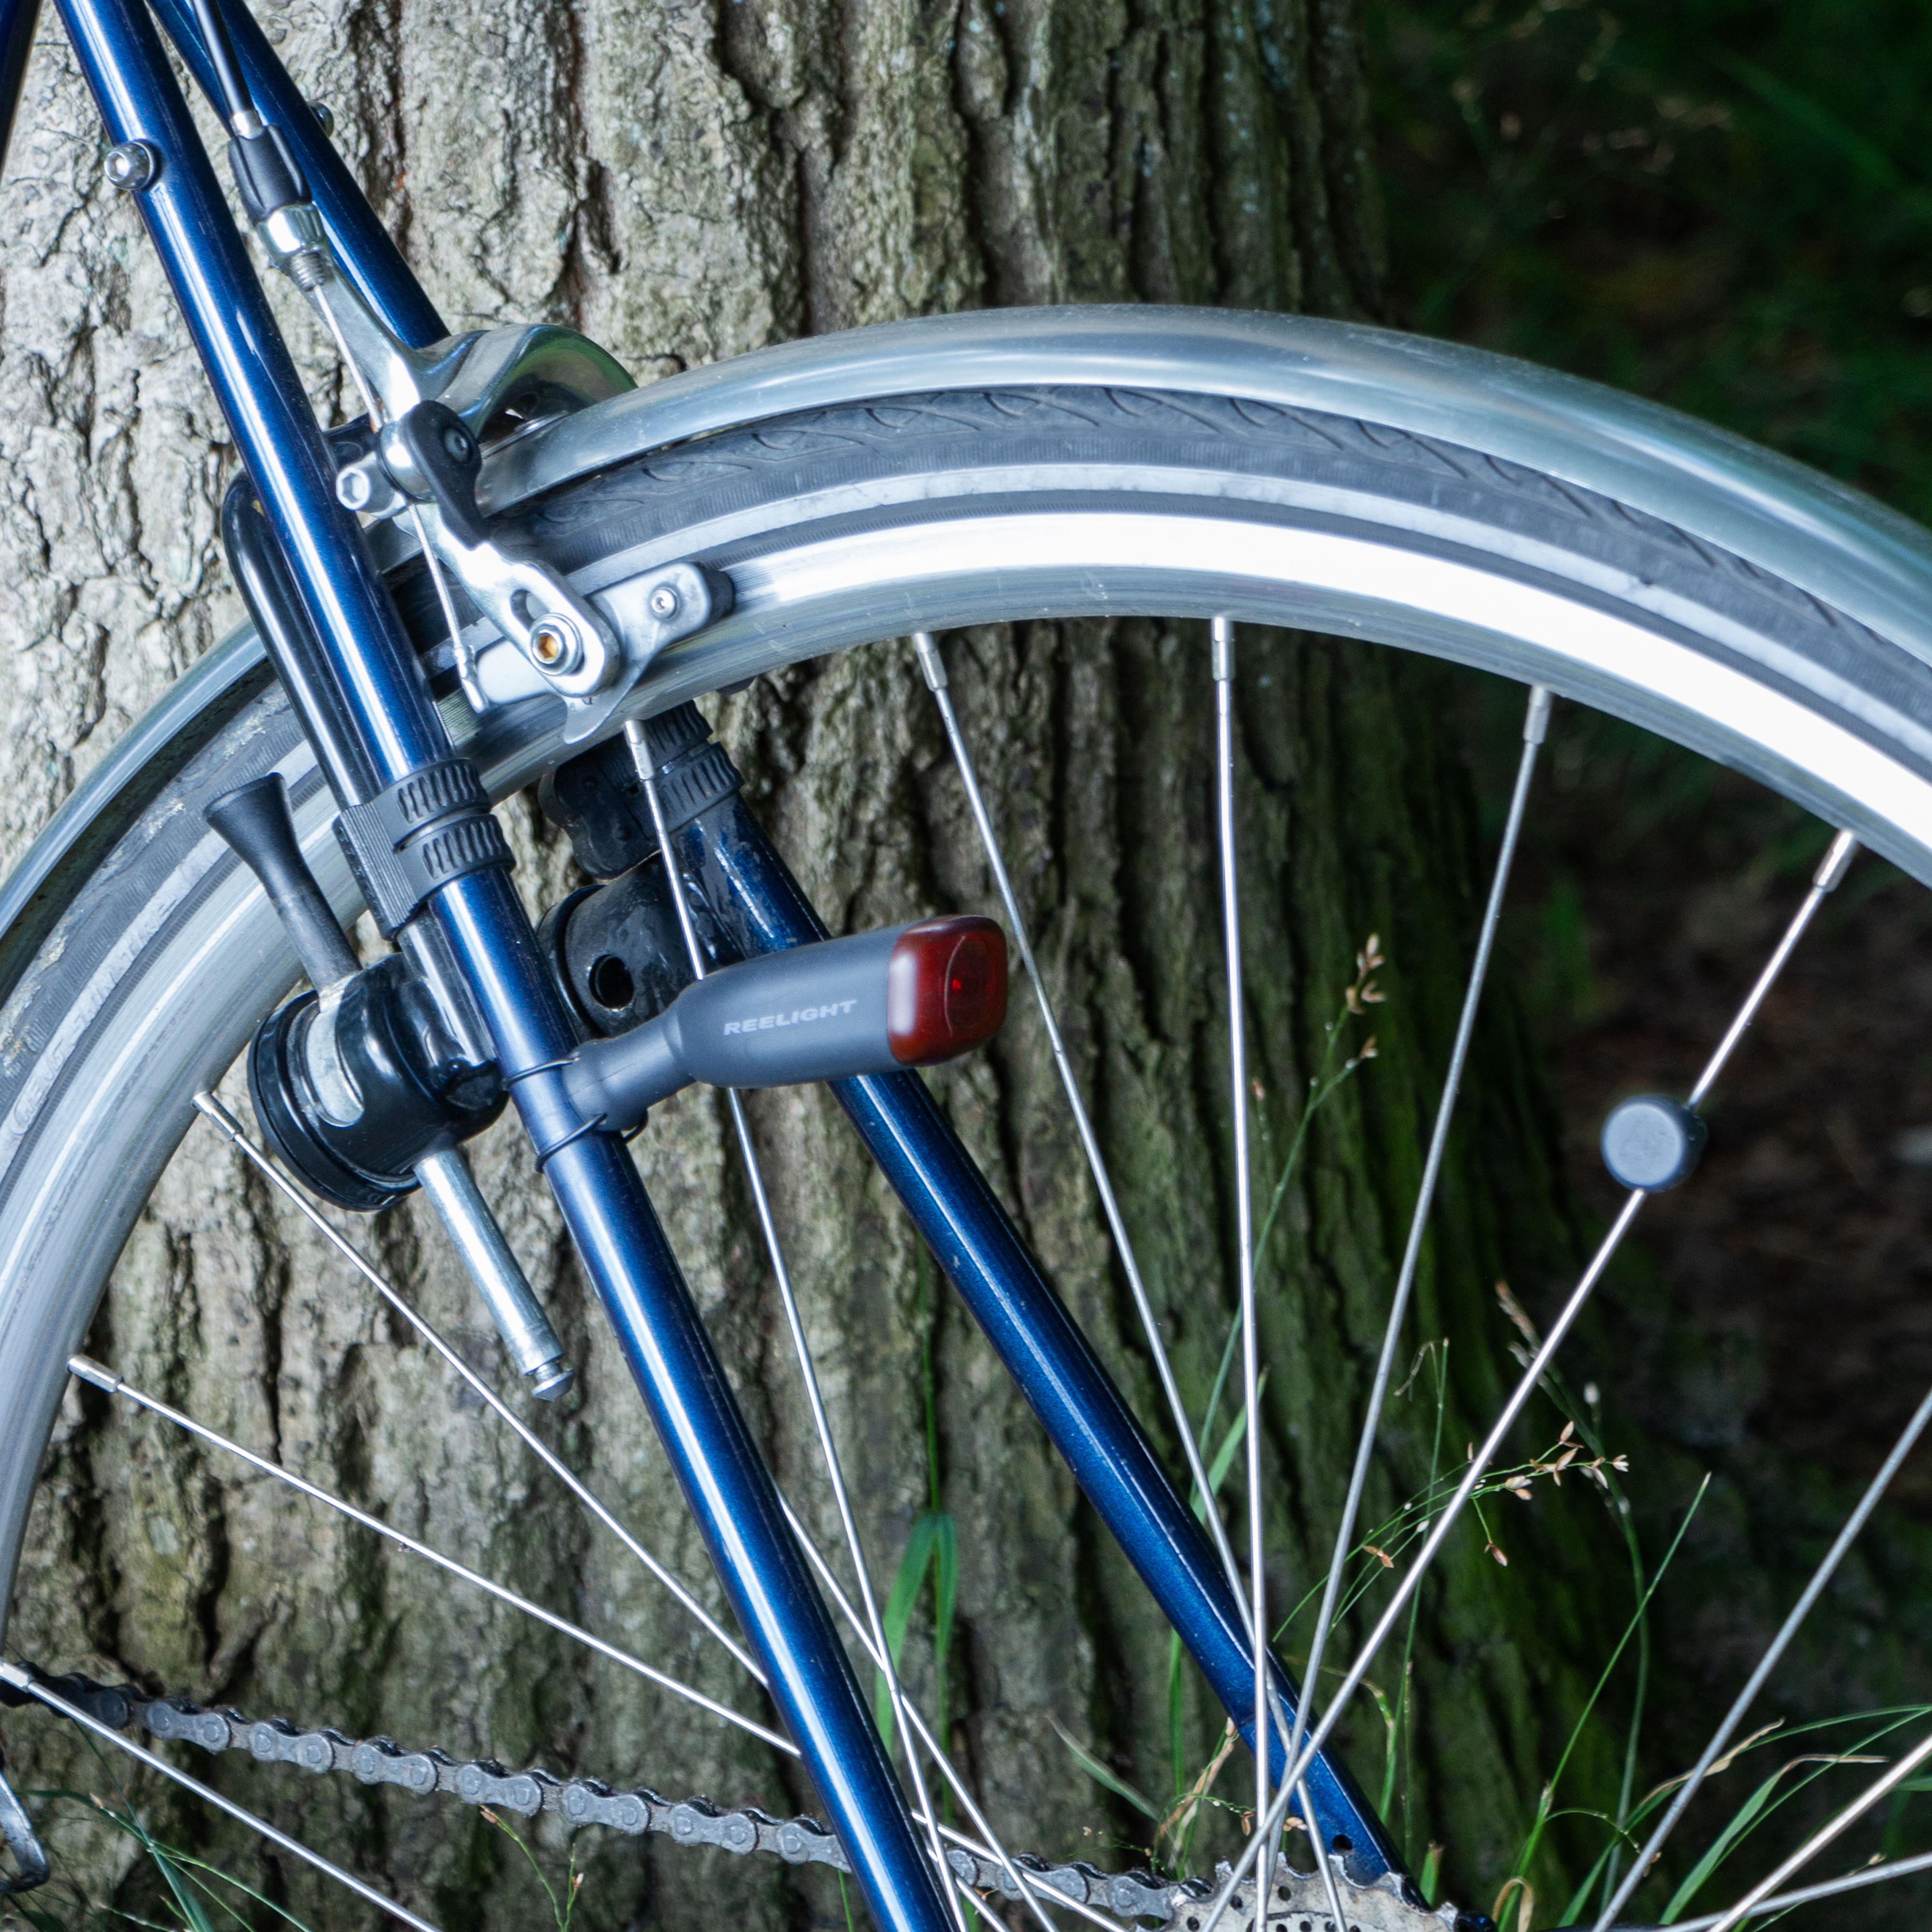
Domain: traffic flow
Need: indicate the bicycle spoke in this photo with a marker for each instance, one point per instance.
(24, 1681)
(635, 738)
(1747, 1906)
(1785, 1901)
(106, 1379)
(992, 1848)
(219, 1115)
(934, 667)
(1535, 723)
(1223, 646)
(1830, 871)
(1815, 1588)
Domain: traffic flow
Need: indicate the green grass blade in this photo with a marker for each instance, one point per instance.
(898, 1616)
(945, 1580)
(1101, 1775)
(1521, 1868)
(1177, 1717)
(1739, 1823)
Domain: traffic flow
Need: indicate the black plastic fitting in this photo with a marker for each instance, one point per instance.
(397, 1087)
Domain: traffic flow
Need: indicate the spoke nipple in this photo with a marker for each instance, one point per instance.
(1222, 632)
(1835, 864)
(1651, 1143)
(930, 662)
(83, 1368)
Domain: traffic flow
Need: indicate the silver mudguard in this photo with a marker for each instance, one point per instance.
(1842, 546)
(1845, 549)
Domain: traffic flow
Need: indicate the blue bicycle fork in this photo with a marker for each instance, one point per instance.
(742, 876)
(367, 708)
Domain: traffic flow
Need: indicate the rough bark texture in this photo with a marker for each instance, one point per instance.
(684, 182)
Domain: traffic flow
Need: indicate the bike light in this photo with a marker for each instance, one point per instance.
(945, 989)
(840, 1009)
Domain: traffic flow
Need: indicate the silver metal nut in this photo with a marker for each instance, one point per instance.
(133, 165)
(663, 602)
(554, 643)
(296, 229)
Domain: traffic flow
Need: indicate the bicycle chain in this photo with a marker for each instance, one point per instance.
(1299, 1904)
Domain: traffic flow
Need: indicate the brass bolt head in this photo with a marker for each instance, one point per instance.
(552, 642)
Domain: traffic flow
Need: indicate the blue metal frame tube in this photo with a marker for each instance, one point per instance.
(1043, 1348)
(622, 1247)
(361, 244)
(194, 229)
(361, 635)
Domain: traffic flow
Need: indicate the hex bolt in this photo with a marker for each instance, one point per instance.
(354, 489)
(663, 602)
(133, 165)
(456, 443)
(554, 642)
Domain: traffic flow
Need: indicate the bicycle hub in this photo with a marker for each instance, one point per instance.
(356, 1085)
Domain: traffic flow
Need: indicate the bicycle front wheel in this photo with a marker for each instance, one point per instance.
(1077, 532)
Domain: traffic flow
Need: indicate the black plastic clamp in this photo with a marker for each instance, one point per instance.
(425, 831)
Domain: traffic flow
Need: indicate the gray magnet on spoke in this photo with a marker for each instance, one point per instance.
(1652, 1142)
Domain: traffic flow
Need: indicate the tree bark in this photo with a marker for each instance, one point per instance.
(684, 183)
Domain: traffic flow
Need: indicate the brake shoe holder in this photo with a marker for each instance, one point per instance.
(430, 455)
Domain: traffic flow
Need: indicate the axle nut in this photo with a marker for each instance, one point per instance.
(133, 165)
(1652, 1142)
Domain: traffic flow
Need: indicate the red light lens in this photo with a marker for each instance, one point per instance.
(946, 989)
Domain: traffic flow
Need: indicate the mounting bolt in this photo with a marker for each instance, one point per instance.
(354, 489)
(456, 443)
(324, 115)
(554, 642)
(133, 165)
(663, 602)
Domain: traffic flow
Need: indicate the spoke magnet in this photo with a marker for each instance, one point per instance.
(1652, 1142)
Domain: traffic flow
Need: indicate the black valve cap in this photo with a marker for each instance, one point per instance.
(1652, 1142)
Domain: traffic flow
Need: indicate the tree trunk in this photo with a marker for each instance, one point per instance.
(686, 183)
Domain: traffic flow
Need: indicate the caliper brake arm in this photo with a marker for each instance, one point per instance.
(431, 455)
